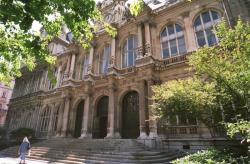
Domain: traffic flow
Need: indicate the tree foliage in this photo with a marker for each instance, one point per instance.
(190, 96)
(212, 156)
(226, 68)
(20, 46)
(228, 64)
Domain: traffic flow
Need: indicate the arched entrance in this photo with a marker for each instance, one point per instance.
(101, 118)
(130, 115)
(79, 119)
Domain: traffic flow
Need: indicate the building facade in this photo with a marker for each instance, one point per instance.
(5, 95)
(105, 91)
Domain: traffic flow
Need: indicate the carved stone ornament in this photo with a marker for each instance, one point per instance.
(118, 14)
(106, 3)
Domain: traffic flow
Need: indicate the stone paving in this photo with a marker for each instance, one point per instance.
(8, 160)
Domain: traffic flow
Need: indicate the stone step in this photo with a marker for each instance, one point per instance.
(95, 151)
(111, 159)
(147, 154)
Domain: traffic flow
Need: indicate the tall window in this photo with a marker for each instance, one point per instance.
(85, 64)
(172, 41)
(104, 60)
(129, 52)
(203, 26)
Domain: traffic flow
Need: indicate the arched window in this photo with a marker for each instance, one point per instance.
(172, 41)
(129, 52)
(104, 60)
(203, 26)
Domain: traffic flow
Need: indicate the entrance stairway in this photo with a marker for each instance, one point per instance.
(108, 151)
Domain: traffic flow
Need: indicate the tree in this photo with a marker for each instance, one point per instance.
(226, 67)
(191, 97)
(21, 47)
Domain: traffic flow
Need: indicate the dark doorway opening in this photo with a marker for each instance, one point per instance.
(79, 119)
(101, 118)
(130, 115)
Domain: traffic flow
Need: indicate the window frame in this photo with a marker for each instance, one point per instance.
(175, 38)
(101, 59)
(126, 52)
(203, 28)
(85, 65)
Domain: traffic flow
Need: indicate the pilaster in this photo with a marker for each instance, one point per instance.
(152, 120)
(142, 111)
(65, 116)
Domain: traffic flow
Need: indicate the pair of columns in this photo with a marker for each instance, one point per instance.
(63, 119)
(113, 114)
(143, 110)
(147, 39)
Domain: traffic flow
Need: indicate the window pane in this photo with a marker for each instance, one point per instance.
(210, 37)
(164, 33)
(130, 43)
(197, 21)
(206, 17)
(124, 60)
(164, 45)
(182, 46)
(215, 15)
(166, 53)
(200, 38)
(170, 29)
(173, 47)
(178, 28)
(130, 58)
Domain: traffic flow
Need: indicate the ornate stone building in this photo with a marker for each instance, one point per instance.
(5, 95)
(105, 91)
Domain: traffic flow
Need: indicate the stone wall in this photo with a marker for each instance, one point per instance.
(52, 109)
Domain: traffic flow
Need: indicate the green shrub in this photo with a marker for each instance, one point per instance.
(20, 133)
(212, 156)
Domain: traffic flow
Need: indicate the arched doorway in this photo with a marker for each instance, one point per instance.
(79, 119)
(130, 115)
(101, 118)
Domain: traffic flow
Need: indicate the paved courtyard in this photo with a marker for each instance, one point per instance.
(9, 160)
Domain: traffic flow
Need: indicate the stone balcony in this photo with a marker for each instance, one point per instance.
(190, 131)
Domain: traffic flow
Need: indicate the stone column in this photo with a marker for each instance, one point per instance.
(65, 117)
(72, 65)
(142, 111)
(86, 118)
(60, 119)
(111, 115)
(140, 50)
(152, 120)
(50, 128)
(58, 76)
(147, 39)
(112, 54)
(189, 34)
(91, 57)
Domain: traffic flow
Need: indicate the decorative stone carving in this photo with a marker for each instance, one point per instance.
(118, 14)
(106, 3)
